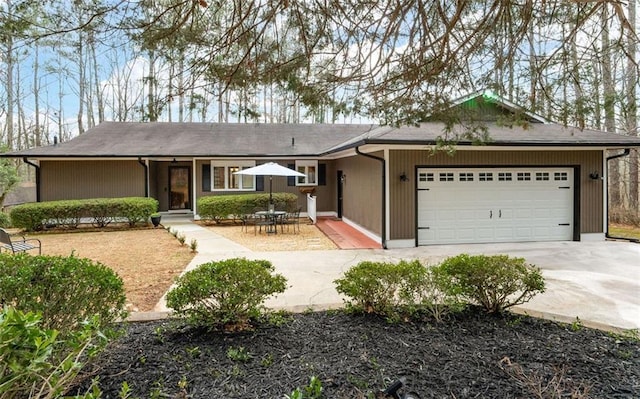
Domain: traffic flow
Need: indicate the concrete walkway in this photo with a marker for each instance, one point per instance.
(597, 282)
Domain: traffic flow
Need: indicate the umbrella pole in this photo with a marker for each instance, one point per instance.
(270, 190)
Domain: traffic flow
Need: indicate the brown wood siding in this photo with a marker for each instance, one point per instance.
(402, 194)
(62, 180)
(325, 195)
(362, 191)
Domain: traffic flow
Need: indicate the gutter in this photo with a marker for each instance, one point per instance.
(383, 234)
(37, 168)
(626, 152)
(146, 176)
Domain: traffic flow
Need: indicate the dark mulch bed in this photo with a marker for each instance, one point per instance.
(357, 356)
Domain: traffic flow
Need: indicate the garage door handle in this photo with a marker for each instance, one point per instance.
(490, 214)
(500, 213)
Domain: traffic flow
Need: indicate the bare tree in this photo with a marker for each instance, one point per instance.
(631, 120)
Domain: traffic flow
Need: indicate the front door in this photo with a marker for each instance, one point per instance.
(179, 187)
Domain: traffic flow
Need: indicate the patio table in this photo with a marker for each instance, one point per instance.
(272, 218)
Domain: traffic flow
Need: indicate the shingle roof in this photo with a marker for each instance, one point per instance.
(534, 134)
(164, 139)
(159, 139)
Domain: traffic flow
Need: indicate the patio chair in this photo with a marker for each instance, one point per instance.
(22, 245)
(248, 219)
(266, 221)
(291, 219)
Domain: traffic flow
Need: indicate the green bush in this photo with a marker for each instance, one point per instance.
(4, 220)
(374, 287)
(494, 282)
(423, 291)
(137, 210)
(68, 213)
(387, 289)
(35, 362)
(227, 294)
(30, 216)
(396, 291)
(64, 290)
(221, 207)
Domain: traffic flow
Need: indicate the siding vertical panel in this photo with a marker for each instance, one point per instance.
(362, 191)
(62, 180)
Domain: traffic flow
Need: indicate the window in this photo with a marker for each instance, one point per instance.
(542, 176)
(466, 176)
(446, 176)
(223, 177)
(561, 176)
(504, 176)
(485, 176)
(310, 171)
(524, 176)
(425, 177)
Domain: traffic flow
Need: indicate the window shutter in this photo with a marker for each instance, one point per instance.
(291, 180)
(206, 177)
(322, 174)
(259, 183)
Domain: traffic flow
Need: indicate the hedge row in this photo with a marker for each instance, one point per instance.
(69, 213)
(495, 283)
(231, 206)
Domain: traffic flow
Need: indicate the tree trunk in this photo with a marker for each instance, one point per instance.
(632, 103)
(609, 107)
(152, 115)
(81, 83)
(36, 95)
(577, 88)
(9, 77)
(98, 88)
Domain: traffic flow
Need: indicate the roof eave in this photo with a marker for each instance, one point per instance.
(487, 144)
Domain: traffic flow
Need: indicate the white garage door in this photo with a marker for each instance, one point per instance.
(494, 205)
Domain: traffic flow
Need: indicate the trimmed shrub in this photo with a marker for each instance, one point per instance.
(494, 282)
(30, 216)
(137, 209)
(64, 290)
(102, 211)
(221, 207)
(397, 291)
(227, 293)
(35, 362)
(423, 291)
(4, 220)
(374, 287)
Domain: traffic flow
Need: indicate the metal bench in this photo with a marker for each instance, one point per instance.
(22, 245)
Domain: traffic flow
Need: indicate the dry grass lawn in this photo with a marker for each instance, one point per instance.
(147, 260)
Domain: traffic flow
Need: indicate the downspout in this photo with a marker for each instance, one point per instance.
(146, 176)
(626, 152)
(383, 234)
(37, 168)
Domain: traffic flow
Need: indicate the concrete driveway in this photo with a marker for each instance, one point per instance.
(598, 282)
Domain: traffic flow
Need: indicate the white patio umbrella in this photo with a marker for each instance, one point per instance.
(269, 169)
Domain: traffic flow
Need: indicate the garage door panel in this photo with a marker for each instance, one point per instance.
(523, 233)
(504, 233)
(495, 205)
(484, 234)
